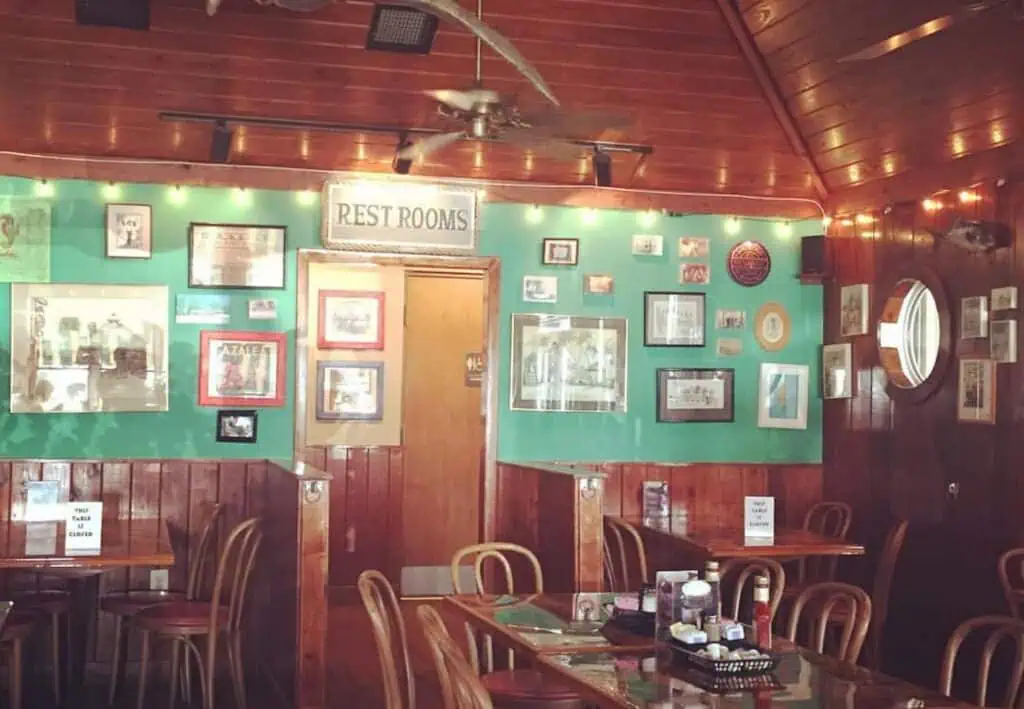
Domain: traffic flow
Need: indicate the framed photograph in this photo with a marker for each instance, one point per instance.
(696, 395)
(854, 309)
(782, 396)
(598, 284)
(236, 256)
(1004, 298)
(349, 391)
(540, 289)
(772, 327)
(837, 371)
(973, 317)
(568, 363)
(129, 231)
(730, 319)
(694, 247)
(236, 426)
(351, 320)
(697, 274)
(1002, 340)
(239, 368)
(78, 348)
(728, 347)
(976, 391)
(560, 252)
(648, 245)
(673, 319)
(262, 309)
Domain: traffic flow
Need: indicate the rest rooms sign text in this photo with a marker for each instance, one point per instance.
(399, 216)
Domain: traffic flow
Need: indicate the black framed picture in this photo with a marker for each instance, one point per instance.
(236, 426)
(560, 252)
(673, 319)
(236, 256)
(695, 395)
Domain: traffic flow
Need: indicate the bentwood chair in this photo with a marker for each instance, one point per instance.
(389, 634)
(461, 688)
(125, 604)
(187, 622)
(1011, 577)
(828, 519)
(17, 628)
(831, 603)
(737, 573)
(622, 543)
(997, 629)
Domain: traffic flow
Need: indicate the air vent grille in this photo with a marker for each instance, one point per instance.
(124, 14)
(396, 28)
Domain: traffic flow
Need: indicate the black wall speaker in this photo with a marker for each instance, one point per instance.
(812, 256)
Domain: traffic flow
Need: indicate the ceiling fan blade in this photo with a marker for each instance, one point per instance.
(925, 29)
(450, 10)
(211, 7)
(463, 100)
(541, 144)
(431, 144)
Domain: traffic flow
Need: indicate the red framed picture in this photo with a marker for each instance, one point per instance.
(242, 368)
(351, 320)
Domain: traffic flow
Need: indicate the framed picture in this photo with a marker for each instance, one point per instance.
(568, 363)
(730, 319)
(598, 284)
(236, 426)
(728, 347)
(837, 371)
(1002, 340)
(129, 231)
(973, 317)
(697, 274)
(696, 395)
(772, 327)
(1004, 298)
(673, 319)
(349, 391)
(560, 252)
(648, 245)
(540, 289)
(262, 309)
(351, 320)
(782, 396)
(976, 391)
(79, 348)
(236, 256)
(854, 308)
(694, 247)
(239, 368)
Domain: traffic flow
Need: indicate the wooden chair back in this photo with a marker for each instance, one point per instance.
(882, 589)
(834, 603)
(234, 571)
(460, 686)
(500, 552)
(622, 543)
(828, 519)
(1011, 576)
(389, 634)
(999, 628)
(203, 555)
(738, 572)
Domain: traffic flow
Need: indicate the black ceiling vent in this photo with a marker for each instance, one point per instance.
(397, 28)
(125, 14)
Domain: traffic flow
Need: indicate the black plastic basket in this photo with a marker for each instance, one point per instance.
(744, 667)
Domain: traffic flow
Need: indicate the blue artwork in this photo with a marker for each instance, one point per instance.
(783, 397)
(202, 309)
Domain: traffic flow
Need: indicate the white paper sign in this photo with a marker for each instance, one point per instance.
(759, 517)
(84, 527)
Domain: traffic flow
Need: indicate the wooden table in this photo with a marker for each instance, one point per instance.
(703, 543)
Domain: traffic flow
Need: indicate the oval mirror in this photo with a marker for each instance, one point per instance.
(913, 334)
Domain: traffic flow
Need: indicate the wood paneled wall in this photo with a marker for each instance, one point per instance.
(894, 459)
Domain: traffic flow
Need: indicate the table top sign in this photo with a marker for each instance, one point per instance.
(84, 527)
(759, 518)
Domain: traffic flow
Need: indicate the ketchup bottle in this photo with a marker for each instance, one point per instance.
(762, 614)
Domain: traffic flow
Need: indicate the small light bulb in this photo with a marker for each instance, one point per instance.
(589, 216)
(534, 214)
(865, 219)
(846, 222)
(784, 229)
(931, 205)
(826, 221)
(647, 218)
(176, 194)
(111, 191)
(242, 196)
(44, 189)
(969, 197)
(732, 225)
(305, 197)
(481, 194)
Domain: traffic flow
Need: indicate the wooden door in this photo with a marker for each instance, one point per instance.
(443, 425)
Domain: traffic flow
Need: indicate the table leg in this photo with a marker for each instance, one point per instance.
(84, 590)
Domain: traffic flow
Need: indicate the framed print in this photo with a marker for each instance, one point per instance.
(1004, 298)
(351, 320)
(598, 284)
(568, 363)
(837, 371)
(349, 391)
(560, 252)
(696, 395)
(540, 289)
(673, 319)
(853, 313)
(782, 396)
(749, 263)
(78, 348)
(698, 274)
(648, 245)
(262, 309)
(772, 327)
(728, 347)
(236, 256)
(239, 368)
(129, 231)
(973, 317)
(730, 319)
(694, 247)
(976, 391)
(235, 426)
(1002, 341)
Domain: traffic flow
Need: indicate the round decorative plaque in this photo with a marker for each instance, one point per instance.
(772, 327)
(749, 263)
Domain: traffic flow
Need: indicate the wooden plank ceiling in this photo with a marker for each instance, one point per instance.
(954, 94)
(670, 65)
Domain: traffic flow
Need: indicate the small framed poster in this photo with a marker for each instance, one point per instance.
(351, 320)
(685, 395)
(239, 368)
(598, 284)
(1002, 341)
(673, 319)
(560, 252)
(973, 317)
(782, 396)
(772, 327)
(129, 231)
(349, 391)
(1004, 298)
(976, 391)
(853, 310)
(837, 371)
(236, 256)
(648, 245)
(236, 426)
(540, 289)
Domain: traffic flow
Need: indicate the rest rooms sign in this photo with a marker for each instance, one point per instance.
(399, 216)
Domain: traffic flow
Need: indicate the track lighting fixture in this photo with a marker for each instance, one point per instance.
(602, 168)
(220, 142)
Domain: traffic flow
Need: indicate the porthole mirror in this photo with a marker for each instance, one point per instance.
(913, 335)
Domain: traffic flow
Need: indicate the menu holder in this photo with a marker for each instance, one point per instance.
(759, 520)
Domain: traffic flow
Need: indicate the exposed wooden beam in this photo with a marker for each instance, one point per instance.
(771, 90)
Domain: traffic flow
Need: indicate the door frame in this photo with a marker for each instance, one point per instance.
(489, 268)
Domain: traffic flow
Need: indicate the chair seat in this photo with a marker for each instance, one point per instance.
(49, 602)
(525, 684)
(18, 626)
(131, 602)
(179, 617)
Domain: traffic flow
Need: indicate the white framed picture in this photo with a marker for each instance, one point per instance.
(782, 396)
(837, 371)
(695, 247)
(976, 391)
(854, 308)
(648, 245)
(1002, 341)
(973, 317)
(1004, 298)
(540, 289)
(129, 231)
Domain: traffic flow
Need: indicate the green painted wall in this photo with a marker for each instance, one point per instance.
(605, 247)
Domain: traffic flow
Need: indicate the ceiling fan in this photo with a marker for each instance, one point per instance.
(968, 11)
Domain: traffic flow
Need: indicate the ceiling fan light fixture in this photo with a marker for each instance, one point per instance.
(397, 28)
(602, 163)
